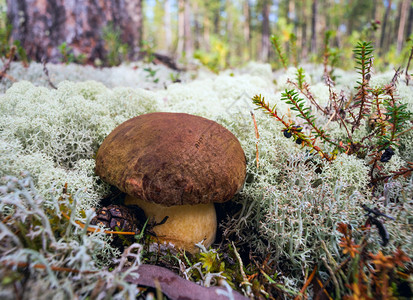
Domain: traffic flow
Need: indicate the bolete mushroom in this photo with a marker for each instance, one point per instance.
(174, 165)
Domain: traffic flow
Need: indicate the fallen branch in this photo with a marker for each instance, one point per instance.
(46, 71)
(407, 68)
(306, 284)
(6, 66)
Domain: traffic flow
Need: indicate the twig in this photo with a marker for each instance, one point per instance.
(305, 90)
(306, 284)
(322, 290)
(6, 67)
(46, 71)
(401, 172)
(408, 65)
(333, 277)
(257, 136)
(244, 276)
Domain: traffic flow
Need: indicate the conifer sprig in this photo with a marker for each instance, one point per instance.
(364, 58)
(295, 131)
(298, 104)
(293, 46)
(260, 102)
(300, 76)
(398, 117)
(304, 88)
(275, 41)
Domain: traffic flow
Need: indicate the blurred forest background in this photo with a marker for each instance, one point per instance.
(217, 33)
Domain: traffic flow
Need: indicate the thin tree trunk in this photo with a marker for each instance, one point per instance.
(350, 20)
(217, 19)
(197, 26)
(167, 25)
(189, 44)
(314, 27)
(402, 24)
(304, 45)
(291, 11)
(207, 32)
(409, 22)
(247, 29)
(265, 39)
(378, 13)
(229, 31)
(181, 26)
(384, 26)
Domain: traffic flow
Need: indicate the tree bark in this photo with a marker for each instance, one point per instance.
(409, 22)
(197, 40)
(42, 25)
(247, 29)
(167, 25)
(314, 26)
(384, 25)
(402, 24)
(304, 45)
(229, 31)
(265, 39)
(189, 45)
(181, 25)
(206, 32)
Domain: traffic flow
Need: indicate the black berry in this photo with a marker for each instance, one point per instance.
(287, 133)
(386, 156)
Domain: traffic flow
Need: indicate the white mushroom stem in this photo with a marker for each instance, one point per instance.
(186, 224)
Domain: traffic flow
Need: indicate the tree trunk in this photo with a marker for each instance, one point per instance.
(167, 25)
(197, 26)
(409, 22)
(314, 27)
(402, 24)
(189, 45)
(41, 26)
(383, 28)
(304, 45)
(207, 32)
(265, 39)
(181, 25)
(217, 19)
(229, 31)
(247, 29)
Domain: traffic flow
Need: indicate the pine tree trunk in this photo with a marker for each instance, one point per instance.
(206, 32)
(384, 26)
(189, 44)
(167, 26)
(181, 25)
(265, 39)
(247, 29)
(409, 22)
(197, 28)
(314, 26)
(229, 31)
(402, 24)
(42, 25)
(304, 45)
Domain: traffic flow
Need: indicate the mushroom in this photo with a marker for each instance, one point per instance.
(174, 165)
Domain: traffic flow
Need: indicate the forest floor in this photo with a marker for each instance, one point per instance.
(297, 228)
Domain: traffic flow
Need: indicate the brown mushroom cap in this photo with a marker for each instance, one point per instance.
(173, 159)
